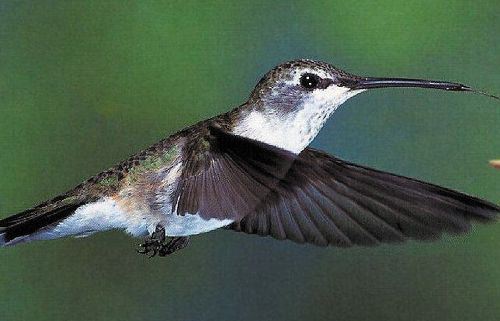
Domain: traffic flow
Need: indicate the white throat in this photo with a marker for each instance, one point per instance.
(298, 129)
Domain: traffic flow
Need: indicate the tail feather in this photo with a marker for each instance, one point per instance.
(37, 218)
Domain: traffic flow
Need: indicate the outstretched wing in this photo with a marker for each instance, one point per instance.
(326, 201)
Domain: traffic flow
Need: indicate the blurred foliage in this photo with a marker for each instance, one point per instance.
(84, 84)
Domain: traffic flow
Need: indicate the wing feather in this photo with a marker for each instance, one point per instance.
(326, 201)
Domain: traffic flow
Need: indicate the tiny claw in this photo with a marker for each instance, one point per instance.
(155, 244)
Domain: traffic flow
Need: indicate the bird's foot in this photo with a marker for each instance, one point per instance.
(175, 244)
(155, 244)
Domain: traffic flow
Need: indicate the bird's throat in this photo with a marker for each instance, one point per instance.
(295, 129)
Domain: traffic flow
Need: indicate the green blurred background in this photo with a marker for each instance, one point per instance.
(84, 84)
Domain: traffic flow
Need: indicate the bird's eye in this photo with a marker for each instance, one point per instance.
(309, 81)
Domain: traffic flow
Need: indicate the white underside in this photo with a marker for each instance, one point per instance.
(106, 215)
(99, 216)
(191, 224)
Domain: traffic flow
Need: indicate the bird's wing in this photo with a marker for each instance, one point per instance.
(225, 176)
(326, 201)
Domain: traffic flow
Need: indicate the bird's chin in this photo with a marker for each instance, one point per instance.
(332, 97)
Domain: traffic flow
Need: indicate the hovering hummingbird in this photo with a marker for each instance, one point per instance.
(250, 170)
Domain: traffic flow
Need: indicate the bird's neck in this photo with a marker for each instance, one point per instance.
(293, 130)
(283, 132)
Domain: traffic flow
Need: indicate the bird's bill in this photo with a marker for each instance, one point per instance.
(371, 82)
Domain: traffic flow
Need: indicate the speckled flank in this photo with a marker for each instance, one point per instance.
(151, 164)
(110, 181)
(113, 180)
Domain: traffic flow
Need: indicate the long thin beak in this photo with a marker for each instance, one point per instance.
(370, 82)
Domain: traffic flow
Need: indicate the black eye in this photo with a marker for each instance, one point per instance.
(309, 81)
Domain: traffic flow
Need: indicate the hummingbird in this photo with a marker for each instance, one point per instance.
(251, 170)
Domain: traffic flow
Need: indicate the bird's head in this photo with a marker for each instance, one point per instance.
(291, 103)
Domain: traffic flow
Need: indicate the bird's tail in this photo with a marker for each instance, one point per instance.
(30, 224)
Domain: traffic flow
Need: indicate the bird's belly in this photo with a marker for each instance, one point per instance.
(191, 224)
